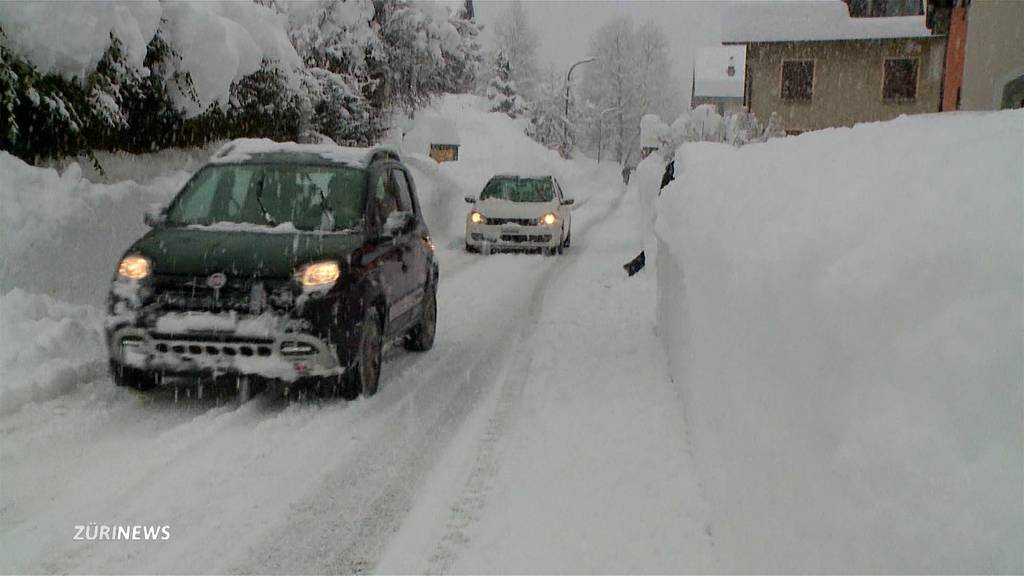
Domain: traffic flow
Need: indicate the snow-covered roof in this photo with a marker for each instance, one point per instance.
(244, 149)
(810, 21)
(711, 75)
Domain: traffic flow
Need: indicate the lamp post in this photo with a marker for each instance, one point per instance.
(565, 122)
(600, 129)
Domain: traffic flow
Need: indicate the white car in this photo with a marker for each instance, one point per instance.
(521, 213)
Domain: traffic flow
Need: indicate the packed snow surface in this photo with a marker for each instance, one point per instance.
(843, 311)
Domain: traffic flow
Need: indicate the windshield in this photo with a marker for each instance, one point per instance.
(308, 197)
(519, 189)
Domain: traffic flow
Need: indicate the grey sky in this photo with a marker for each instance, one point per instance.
(564, 27)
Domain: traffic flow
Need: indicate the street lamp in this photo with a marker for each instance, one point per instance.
(600, 129)
(565, 122)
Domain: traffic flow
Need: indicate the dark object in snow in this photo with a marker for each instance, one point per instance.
(637, 264)
(290, 266)
(626, 171)
(668, 176)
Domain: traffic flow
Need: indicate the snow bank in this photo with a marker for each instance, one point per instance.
(46, 348)
(61, 234)
(844, 312)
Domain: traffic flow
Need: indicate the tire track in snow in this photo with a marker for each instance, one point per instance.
(490, 449)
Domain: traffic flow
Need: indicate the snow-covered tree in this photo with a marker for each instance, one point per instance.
(632, 77)
(517, 39)
(547, 111)
(502, 90)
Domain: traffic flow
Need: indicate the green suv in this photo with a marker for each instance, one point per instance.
(282, 264)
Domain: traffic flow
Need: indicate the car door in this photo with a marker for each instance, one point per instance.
(385, 255)
(564, 211)
(414, 250)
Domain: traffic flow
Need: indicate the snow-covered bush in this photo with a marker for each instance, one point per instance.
(774, 128)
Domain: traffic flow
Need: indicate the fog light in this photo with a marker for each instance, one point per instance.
(131, 342)
(297, 349)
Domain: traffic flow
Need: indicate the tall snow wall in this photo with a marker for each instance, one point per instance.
(844, 312)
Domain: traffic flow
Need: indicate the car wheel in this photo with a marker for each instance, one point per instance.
(364, 378)
(421, 338)
(131, 377)
(568, 238)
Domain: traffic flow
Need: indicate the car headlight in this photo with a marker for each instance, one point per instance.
(318, 274)
(476, 217)
(550, 219)
(134, 267)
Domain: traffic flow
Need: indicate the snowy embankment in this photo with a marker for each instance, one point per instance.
(844, 313)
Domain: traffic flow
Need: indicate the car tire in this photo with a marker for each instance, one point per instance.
(568, 239)
(364, 377)
(126, 376)
(421, 338)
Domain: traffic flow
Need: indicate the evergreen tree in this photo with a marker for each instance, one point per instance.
(502, 90)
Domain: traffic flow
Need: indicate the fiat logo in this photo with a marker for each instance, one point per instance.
(217, 280)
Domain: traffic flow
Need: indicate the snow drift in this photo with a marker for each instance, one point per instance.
(844, 312)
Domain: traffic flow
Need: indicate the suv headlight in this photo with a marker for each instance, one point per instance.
(318, 274)
(477, 218)
(134, 267)
(550, 219)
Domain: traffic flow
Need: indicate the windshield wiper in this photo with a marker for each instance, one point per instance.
(259, 200)
(323, 201)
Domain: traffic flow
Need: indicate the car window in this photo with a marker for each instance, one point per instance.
(385, 199)
(402, 188)
(515, 189)
(308, 197)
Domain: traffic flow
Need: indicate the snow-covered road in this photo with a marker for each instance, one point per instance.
(544, 410)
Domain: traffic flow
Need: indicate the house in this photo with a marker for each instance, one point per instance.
(818, 67)
(433, 135)
(984, 54)
(718, 74)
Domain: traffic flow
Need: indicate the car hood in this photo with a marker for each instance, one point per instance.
(194, 251)
(493, 208)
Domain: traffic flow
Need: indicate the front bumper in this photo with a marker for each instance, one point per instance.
(183, 344)
(512, 236)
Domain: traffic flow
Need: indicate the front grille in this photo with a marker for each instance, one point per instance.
(520, 238)
(519, 221)
(191, 293)
(209, 349)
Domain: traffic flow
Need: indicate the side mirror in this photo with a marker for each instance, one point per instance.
(568, 201)
(471, 199)
(156, 216)
(398, 223)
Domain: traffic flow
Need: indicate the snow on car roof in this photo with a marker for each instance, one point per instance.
(711, 71)
(803, 21)
(245, 149)
(523, 176)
